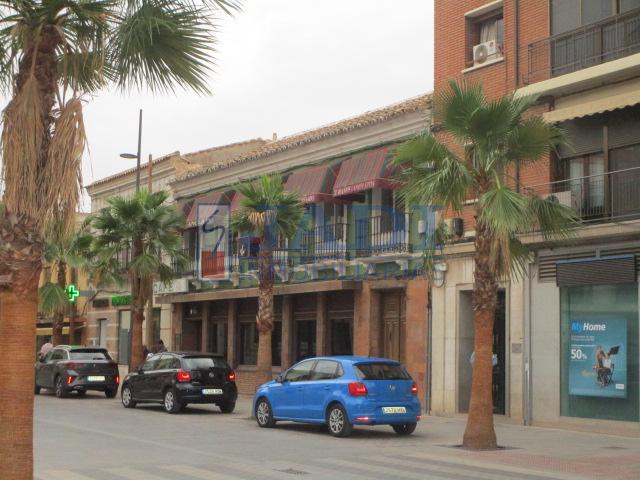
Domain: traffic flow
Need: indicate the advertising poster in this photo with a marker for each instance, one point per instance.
(598, 358)
(213, 232)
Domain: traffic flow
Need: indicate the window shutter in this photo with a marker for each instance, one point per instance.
(584, 136)
(624, 127)
(596, 271)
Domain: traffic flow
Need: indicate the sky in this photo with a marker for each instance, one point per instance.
(283, 66)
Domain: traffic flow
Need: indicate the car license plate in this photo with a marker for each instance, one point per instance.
(394, 410)
(96, 378)
(212, 391)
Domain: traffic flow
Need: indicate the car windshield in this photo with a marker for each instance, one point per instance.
(381, 371)
(204, 362)
(89, 355)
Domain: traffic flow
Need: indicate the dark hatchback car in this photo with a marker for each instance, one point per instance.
(68, 369)
(177, 379)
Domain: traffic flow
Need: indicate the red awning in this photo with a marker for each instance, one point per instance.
(235, 203)
(364, 171)
(211, 198)
(314, 184)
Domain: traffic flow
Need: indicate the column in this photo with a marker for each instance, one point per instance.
(367, 329)
(415, 346)
(321, 325)
(204, 331)
(286, 353)
(232, 332)
(176, 325)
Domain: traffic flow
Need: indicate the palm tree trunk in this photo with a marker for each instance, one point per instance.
(480, 433)
(18, 346)
(58, 318)
(265, 314)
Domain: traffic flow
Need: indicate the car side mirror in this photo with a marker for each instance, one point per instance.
(42, 360)
(280, 378)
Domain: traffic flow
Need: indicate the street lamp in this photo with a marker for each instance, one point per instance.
(136, 156)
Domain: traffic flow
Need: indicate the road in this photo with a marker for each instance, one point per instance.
(94, 438)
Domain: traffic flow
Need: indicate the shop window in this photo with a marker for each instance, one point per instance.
(342, 337)
(305, 339)
(599, 352)
(248, 353)
(218, 338)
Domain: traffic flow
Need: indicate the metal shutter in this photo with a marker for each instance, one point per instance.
(596, 271)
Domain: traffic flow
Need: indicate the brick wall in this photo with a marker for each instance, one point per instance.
(453, 42)
(246, 379)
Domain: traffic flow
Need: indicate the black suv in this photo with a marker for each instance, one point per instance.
(68, 369)
(177, 379)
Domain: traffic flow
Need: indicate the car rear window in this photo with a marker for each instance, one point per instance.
(381, 371)
(89, 355)
(204, 362)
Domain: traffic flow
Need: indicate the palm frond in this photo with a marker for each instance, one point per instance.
(52, 298)
(553, 219)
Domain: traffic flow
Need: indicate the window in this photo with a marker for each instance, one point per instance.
(585, 178)
(102, 332)
(248, 343)
(567, 15)
(299, 372)
(89, 355)
(151, 364)
(218, 338)
(168, 362)
(305, 339)
(326, 370)
(341, 337)
(204, 362)
(485, 34)
(58, 355)
(381, 371)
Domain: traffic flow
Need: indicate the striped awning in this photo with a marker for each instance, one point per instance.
(211, 198)
(314, 184)
(364, 171)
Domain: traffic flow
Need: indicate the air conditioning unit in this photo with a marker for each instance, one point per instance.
(485, 51)
(564, 198)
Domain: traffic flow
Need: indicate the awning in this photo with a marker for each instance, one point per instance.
(314, 184)
(370, 169)
(599, 101)
(211, 198)
(235, 202)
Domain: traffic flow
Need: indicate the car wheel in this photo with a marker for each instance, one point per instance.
(127, 397)
(338, 422)
(404, 428)
(171, 403)
(111, 392)
(227, 407)
(61, 390)
(36, 390)
(264, 414)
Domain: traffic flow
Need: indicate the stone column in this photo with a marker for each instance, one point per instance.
(232, 332)
(286, 353)
(204, 331)
(322, 347)
(367, 329)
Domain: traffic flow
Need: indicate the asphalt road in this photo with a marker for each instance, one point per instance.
(94, 438)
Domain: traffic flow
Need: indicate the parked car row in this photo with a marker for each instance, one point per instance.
(339, 392)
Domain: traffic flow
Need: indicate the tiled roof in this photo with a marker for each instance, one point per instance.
(343, 126)
(129, 171)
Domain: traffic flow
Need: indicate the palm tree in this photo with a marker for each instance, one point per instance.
(53, 54)
(267, 212)
(62, 249)
(151, 231)
(497, 138)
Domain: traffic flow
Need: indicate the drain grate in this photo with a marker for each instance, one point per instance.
(293, 471)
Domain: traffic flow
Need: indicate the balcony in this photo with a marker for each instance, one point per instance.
(593, 44)
(323, 243)
(188, 270)
(384, 233)
(602, 198)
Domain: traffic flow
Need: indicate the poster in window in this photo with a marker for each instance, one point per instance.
(598, 358)
(213, 232)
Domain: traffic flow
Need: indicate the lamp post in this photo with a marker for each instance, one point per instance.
(136, 156)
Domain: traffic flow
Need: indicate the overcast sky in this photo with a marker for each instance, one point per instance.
(283, 66)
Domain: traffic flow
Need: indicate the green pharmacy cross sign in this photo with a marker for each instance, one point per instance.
(72, 293)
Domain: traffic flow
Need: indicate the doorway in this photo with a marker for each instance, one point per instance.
(466, 347)
(192, 335)
(393, 324)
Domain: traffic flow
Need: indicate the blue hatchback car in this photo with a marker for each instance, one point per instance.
(341, 392)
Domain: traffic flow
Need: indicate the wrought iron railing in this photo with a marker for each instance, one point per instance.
(609, 39)
(326, 242)
(386, 232)
(597, 198)
(187, 270)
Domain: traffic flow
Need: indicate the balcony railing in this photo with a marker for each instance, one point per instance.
(188, 270)
(597, 198)
(326, 242)
(593, 44)
(387, 232)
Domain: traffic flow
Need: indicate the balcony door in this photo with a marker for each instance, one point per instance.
(585, 179)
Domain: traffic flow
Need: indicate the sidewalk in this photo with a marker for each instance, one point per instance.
(557, 453)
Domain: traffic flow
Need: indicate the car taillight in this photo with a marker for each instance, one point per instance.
(183, 376)
(117, 379)
(231, 376)
(70, 380)
(357, 389)
(414, 388)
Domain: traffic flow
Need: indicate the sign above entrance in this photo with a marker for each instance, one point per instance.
(179, 285)
(120, 300)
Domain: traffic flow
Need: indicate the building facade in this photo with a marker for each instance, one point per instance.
(581, 58)
(350, 280)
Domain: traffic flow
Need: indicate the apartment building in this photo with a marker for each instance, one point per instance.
(349, 282)
(566, 333)
(109, 311)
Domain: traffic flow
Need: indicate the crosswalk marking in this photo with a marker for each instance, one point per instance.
(198, 472)
(133, 474)
(394, 472)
